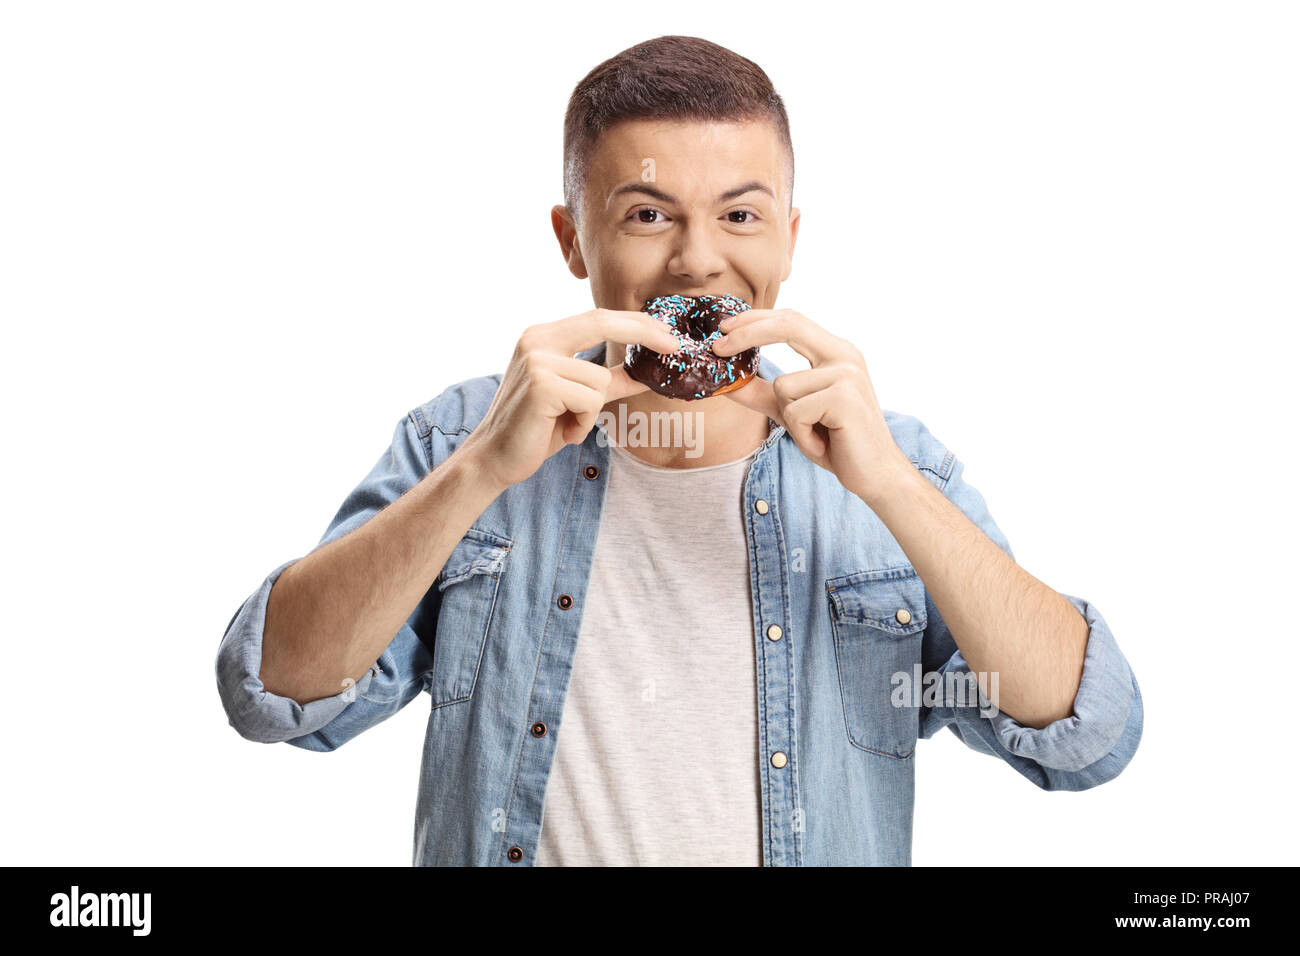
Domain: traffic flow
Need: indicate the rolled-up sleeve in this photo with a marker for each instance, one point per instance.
(1104, 703)
(1087, 748)
(396, 677)
(251, 709)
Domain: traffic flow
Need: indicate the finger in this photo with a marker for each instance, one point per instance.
(562, 395)
(804, 336)
(614, 383)
(795, 385)
(575, 369)
(745, 318)
(622, 385)
(577, 428)
(759, 396)
(802, 414)
(582, 331)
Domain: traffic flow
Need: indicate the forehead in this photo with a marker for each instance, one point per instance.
(695, 157)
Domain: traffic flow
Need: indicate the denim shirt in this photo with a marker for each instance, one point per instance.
(492, 645)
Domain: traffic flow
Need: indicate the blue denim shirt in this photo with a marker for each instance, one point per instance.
(492, 645)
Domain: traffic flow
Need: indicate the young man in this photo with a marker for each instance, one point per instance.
(696, 654)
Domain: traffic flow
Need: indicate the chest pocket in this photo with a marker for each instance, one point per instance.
(468, 585)
(878, 618)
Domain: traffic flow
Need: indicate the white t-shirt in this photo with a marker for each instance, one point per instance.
(657, 758)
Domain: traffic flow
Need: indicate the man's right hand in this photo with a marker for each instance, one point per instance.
(548, 399)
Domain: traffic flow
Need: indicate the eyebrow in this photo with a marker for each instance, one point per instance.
(751, 186)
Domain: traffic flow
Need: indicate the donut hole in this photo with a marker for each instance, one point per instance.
(705, 314)
(700, 324)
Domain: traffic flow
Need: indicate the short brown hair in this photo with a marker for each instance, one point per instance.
(669, 77)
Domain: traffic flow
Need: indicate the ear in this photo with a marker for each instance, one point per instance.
(794, 236)
(566, 231)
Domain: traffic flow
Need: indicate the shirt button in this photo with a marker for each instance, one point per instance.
(565, 601)
(774, 632)
(903, 616)
(591, 472)
(760, 506)
(515, 854)
(538, 729)
(778, 760)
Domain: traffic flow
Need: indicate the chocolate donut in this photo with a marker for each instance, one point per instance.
(693, 371)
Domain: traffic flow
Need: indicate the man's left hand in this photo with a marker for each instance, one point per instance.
(830, 409)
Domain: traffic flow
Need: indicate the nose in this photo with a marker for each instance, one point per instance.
(696, 258)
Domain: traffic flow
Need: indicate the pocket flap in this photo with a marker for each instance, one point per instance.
(890, 600)
(479, 552)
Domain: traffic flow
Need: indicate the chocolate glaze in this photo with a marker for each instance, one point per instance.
(693, 371)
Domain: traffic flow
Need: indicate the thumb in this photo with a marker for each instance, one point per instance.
(621, 385)
(759, 396)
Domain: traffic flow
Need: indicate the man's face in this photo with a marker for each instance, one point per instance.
(714, 218)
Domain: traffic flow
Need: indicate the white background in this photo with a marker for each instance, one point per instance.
(238, 241)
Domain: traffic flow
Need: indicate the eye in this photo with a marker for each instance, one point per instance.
(753, 216)
(639, 216)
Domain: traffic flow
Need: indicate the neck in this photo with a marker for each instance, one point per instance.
(672, 433)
